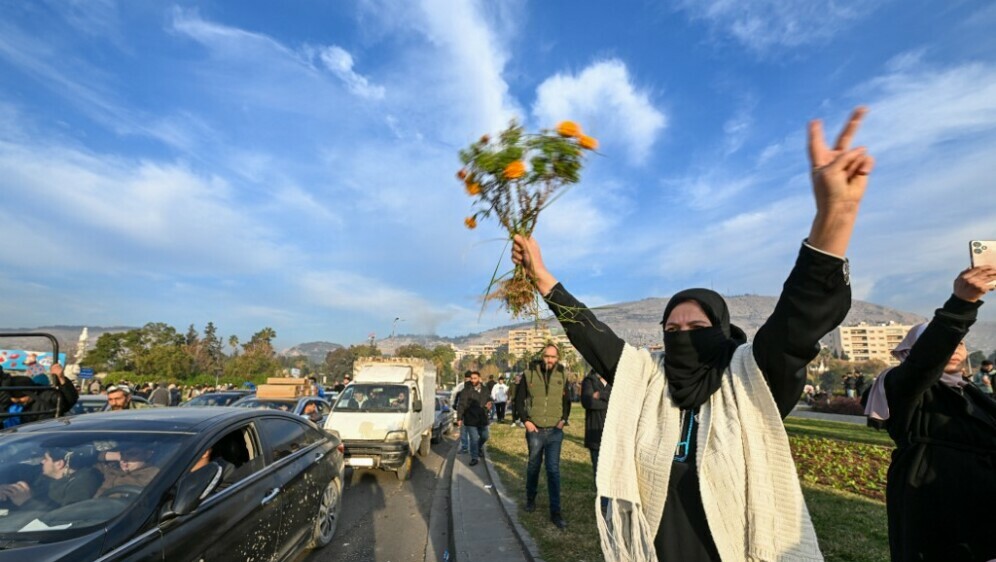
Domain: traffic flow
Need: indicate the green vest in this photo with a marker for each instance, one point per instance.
(545, 402)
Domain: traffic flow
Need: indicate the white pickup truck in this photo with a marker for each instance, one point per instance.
(386, 413)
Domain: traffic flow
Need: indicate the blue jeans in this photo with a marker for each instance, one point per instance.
(464, 439)
(545, 442)
(478, 436)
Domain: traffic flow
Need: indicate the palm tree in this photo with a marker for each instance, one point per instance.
(233, 341)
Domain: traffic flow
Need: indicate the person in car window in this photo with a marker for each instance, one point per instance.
(311, 412)
(119, 398)
(127, 467)
(67, 476)
(401, 400)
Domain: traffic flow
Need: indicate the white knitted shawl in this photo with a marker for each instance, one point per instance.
(747, 480)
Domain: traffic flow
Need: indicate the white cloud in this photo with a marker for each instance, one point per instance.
(604, 100)
(107, 210)
(917, 108)
(338, 61)
(763, 25)
(351, 292)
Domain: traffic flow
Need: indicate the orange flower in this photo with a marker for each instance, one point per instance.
(485, 139)
(462, 174)
(515, 170)
(470, 222)
(569, 129)
(473, 188)
(588, 143)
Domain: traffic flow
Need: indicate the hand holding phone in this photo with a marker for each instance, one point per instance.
(983, 252)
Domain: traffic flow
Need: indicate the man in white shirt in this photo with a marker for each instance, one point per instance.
(499, 395)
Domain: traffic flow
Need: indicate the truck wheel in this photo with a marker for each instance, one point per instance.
(423, 447)
(405, 470)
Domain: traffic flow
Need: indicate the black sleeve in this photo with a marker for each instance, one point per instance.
(814, 300)
(461, 403)
(595, 341)
(930, 354)
(566, 402)
(521, 392)
(69, 396)
(588, 399)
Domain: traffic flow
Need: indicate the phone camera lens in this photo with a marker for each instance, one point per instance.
(976, 244)
(977, 251)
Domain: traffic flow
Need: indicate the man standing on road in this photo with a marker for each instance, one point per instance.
(499, 395)
(475, 403)
(542, 400)
(489, 387)
(159, 396)
(595, 400)
(455, 400)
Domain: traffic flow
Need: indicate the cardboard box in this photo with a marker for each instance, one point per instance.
(280, 391)
(286, 380)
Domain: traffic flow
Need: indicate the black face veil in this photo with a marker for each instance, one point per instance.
(695, 360)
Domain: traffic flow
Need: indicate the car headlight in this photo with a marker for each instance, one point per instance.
(400, 435)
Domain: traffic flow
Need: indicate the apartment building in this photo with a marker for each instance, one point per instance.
(530, 341)
(865, 342)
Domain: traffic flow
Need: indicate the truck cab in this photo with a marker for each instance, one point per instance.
(386, 414)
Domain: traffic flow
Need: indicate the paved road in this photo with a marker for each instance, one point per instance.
(384, 519)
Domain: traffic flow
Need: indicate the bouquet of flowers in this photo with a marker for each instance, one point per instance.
(512, 178)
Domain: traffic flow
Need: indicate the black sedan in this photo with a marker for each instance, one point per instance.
(173, 484)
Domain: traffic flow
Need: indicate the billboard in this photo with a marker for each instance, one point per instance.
(33, 362)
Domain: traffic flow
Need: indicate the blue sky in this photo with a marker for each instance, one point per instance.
(292, 164)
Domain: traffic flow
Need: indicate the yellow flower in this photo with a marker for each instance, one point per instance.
(515, 170)
(470, 222)
(588, 143)
(569, 129)
(473, 188)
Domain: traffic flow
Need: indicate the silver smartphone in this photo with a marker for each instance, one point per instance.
(983, 252)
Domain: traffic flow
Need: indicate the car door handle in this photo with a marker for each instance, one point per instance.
(270, 495)
(319, 456)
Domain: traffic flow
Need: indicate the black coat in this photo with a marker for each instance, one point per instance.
(594, 408)
(941, 490)
(472, 405)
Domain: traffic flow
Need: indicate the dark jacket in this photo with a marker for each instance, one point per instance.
(542, 397)
(594, 408)
(472, 408)
(160, 396)
(941, 486)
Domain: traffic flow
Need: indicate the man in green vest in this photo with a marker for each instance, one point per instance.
(542, 401)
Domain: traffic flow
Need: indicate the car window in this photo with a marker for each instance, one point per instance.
(237, 452)
(323, 407)
(283, 437)
(56, 485)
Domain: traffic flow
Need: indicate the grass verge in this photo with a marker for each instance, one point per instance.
(850, 527)
(805, 427)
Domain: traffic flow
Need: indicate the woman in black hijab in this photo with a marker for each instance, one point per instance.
(700, 341)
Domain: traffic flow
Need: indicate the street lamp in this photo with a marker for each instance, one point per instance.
(395, 324)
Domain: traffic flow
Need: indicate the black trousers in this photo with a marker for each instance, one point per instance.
(500, 411)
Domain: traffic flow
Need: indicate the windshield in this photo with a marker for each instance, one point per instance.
(263, 404)
(212, 400)
(87, 406)
(59, 483)
(373, 398)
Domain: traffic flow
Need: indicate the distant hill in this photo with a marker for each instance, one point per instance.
(67, 336)
(638, 322)
(315, 351)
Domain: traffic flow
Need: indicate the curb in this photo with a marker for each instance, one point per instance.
(511, 511)
(430, 551)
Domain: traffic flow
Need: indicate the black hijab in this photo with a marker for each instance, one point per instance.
(695, 360)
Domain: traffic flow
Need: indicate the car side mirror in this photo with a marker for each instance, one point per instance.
(194, 488)
(417, 405)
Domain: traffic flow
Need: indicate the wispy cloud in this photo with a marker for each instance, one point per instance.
(605, 100)
(338, 61)
(765, 25)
